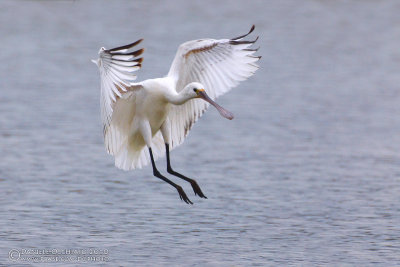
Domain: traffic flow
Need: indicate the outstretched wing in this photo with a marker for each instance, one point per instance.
(218, 64)
(117, 67)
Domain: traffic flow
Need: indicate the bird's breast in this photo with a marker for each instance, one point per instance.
(156, 111)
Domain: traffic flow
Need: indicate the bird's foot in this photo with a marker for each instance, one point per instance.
(196, 189)
(195, 186)
(183, 195)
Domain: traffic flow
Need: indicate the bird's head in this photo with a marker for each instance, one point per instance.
(196, 90)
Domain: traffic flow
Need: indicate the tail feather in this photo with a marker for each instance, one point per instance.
(134, 156)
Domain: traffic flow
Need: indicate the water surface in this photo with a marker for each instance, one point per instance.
(307, 173)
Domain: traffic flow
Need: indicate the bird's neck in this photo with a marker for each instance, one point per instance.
(177, 99)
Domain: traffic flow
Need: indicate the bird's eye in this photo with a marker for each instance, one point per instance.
(195, 90)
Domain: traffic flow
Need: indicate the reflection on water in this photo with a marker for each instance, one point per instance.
(306, 174)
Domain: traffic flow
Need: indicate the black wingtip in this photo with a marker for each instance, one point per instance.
(134, 53)
(252, 28)
(234, 42)
(139, 60)
(252, 49)
(125, 46)
(242, 36)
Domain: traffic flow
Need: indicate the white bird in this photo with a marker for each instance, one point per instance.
(144, 120)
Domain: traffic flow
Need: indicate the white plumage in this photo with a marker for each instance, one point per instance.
(161, 111)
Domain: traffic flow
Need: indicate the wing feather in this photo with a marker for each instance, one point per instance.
(218, 64)
(117, 67)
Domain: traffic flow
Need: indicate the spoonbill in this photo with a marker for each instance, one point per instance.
(144, 120)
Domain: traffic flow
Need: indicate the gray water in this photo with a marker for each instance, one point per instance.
(308, 172)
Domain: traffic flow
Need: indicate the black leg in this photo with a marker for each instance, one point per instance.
(157, 174)
(195, 186)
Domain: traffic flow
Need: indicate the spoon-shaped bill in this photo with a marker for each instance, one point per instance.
(224, 113)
